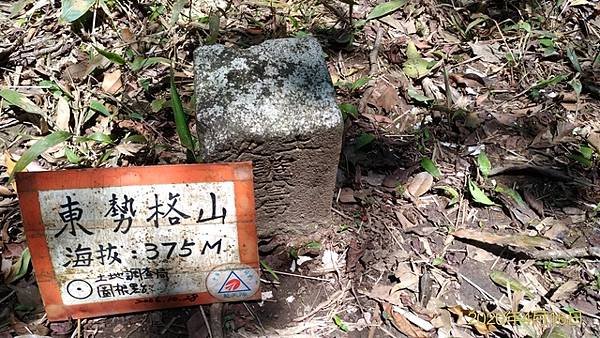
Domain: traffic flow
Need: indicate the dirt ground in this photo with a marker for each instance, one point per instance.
(467, 188)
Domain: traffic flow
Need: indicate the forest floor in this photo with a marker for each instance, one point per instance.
(468, 183)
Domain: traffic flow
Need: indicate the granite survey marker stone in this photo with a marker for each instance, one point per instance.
(273, 104)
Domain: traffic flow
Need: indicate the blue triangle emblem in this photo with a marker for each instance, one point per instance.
(233, 283)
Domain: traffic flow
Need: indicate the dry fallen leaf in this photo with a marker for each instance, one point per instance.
(112, 82)
(521, 241)
(485, 51)
(63, 114)
(536, 204)
(431, 89)
(383, 96)
(593, 139)
(403, 325)
(347, 196)
(565, 290)
(404, 222)
(506, 281)
(420, 184)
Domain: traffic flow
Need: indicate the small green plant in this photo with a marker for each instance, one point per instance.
(584, 156)
(340, 323)
(430, 167)
(359, 83)
(156, 10)
(483, 162)
(348, 109)
(343, 227)
(549, 266)
(293, 253)
(450, 192)
(266, 266)
(437, 261)
(313, 245)
(37, 149)
(479, 195)
(183, 130)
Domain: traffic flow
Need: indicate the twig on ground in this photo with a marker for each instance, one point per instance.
(341, 214)
(7, 296)
(375, 51)
(593, 251)
(216, 320)
(205, 321)
(168, 326)
(334, 298)
(255, 317)
(301, 276)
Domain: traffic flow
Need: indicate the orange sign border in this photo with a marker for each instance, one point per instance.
(30, 183)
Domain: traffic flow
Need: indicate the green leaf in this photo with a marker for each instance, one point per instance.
(17, 99)
(99, 107)
(359, 83)
(183, 130)
(476, 22)
(546, 42)
(415, 66)
(269, 270)
(512, 193)
(349, 109)
(96, 137)
(313, 245)
(113, 57)
(214, 25)
(573, 58)
(430, 167)
(340, 323)
(38, 148)
(576, 85)
(525, 26)
(72, 10)
(478, 195)
(18, 6)
(582, 160)
(586, 152)
(411, 51)
(413, 94)
(177, 8)
(450, 192)
(140, 63)
(437, 261)
(385, 9)
(72, 156)
(157, 104)
(484, 164)
(505, 281)
(364, 139)
(555, 264)
(550, 82)
(20, 268)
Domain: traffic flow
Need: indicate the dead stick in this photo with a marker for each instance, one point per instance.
(216, 320)
(593, 251)
(375, 51)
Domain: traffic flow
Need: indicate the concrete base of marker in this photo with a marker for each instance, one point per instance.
(273, 104)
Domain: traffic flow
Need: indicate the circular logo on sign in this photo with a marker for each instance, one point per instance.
(232, 282)
(79, 289)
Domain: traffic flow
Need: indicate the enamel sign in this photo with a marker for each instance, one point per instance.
(117, 240)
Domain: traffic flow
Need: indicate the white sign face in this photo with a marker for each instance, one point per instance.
(116, 240)
(128, 242)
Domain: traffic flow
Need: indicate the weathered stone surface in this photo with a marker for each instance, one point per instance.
(273, 104)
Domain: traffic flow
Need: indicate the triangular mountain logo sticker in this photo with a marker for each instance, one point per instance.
(233, 283)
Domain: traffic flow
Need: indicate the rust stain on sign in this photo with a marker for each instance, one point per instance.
(117, 240)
